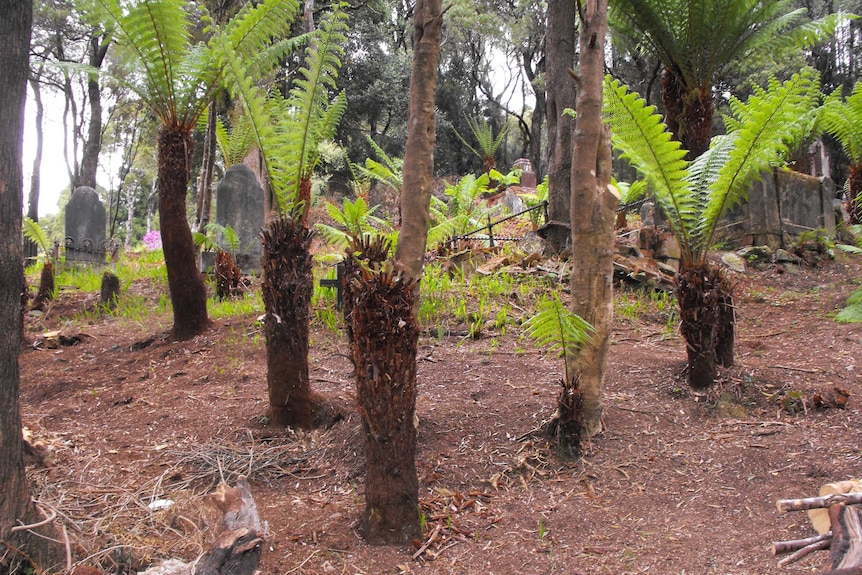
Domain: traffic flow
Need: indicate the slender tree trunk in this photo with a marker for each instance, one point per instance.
(93, 145)
(593, 207)
(205, 180)
(537, 150)
(385, 337)
(130, 216)
(31, 250)
(421, 137)
(561, 94)
(18, 549)
(288, 285)
(699, 294)
(188, 291)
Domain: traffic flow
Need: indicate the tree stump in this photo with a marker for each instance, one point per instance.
(238, 548)
(110, 291)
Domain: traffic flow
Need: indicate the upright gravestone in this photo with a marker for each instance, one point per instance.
(528, 176)
(240, 204)
(85, 227)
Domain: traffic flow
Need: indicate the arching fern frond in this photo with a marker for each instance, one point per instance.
(771, 124)
(36, 234)
(843, 119)
(638, 131)
(308, 115)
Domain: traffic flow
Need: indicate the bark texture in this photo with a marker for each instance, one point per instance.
(593, 207)
(421, 137)
(688, 113)
(227, 276)
(288, 284)
(854, 204)
(19, 549)
(700, 293)
(188, 291)
(205, 179)
(562, 93)
(385, 337)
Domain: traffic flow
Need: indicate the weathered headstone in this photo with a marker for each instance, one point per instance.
(240, 204)
(85, 226)
(528, 176)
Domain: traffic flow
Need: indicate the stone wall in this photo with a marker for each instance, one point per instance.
(779, 208)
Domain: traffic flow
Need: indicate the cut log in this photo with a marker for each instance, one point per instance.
(238, 548)
(800, 553)
(846, 549)
(819, 502)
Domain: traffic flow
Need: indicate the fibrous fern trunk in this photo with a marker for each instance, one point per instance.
(288, 285)
(385, 337)
(688, 112)
(855, 204)
(700, 294)
(188, 291)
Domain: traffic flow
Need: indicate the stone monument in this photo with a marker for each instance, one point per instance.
(85, 227)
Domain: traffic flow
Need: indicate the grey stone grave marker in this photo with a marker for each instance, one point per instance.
(85, 227)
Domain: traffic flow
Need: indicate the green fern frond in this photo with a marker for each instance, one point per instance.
(843, 119)
(557, 328)
(771, 126)
(483, 132)
(36, 234)
(307, 115)
(640, 134)
(852, 313)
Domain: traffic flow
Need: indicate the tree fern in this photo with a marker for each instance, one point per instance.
(354, 220)
(558, 329)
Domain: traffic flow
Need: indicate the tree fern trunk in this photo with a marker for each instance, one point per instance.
(188, 291)
(698, 291)
(288, 285)
(726, 329)
(854, 207)
(688, 113)
(385, 337)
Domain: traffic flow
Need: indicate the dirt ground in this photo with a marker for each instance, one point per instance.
(677, 483)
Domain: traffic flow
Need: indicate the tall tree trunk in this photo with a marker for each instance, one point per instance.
(699, 293)
(593, 207)
(384, 315)
(288, 285)
(18, 548)
(385, 337)
(421, 137)
(205, 179)
(188, 291)
(537, 150)
(561, 94)
(31, 250)
(93, 145)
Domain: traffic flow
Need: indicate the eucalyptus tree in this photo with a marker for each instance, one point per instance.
(22, 549)
(699, 41)
(175, 77)
(695, 195)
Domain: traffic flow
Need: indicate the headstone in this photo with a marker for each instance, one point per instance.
(240, 204)
(85, 226)
(528, 176)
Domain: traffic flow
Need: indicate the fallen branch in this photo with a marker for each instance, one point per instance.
(819, 502)
(799, 554)
(430, 540)
(781, 547)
